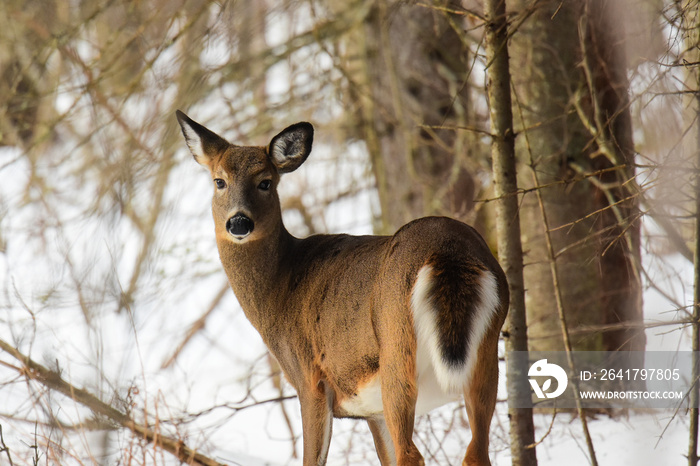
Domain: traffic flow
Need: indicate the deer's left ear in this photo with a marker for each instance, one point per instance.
(290, 148)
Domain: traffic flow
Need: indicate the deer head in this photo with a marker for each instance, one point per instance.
(245, 204)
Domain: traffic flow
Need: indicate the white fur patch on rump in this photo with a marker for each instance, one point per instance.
(452, 379)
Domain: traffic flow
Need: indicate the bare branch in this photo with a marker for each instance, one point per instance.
(53, 380)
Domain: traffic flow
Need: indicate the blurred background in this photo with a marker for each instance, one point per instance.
(109, 277)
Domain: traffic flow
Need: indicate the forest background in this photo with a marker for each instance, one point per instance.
(120, 340)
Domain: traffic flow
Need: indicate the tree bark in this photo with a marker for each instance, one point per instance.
(691, 25)
(510, 254)
(416, 76)
(620, 256)
(572, 99)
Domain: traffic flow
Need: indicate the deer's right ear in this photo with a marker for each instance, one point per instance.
(203, 143)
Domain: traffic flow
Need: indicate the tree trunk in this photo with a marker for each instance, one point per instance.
(571, 92)
(416, 72)
(620, 222)
(510, 253)
(691, 30)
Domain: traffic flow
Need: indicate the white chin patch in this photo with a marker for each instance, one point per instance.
(240, 238)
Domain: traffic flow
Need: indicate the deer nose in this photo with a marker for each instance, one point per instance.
(239, 226)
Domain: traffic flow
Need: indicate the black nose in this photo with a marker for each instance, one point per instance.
(239, 225)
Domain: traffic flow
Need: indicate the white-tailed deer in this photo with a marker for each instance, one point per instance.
(373, 327)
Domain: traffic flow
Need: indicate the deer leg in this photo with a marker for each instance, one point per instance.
(382, 441)
(480, 399)
(317, 423)
(399, 401)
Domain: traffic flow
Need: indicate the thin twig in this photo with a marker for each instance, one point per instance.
(4, 448)
(558, 296)
(562, 320)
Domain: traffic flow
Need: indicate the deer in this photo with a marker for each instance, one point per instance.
(378, 328)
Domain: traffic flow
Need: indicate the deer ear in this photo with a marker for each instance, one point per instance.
(290, 148)
(203, 143)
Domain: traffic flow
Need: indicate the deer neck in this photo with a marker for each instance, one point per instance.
(255, 271)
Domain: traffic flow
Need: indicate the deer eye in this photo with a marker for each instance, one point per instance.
(265, 185)
(220, 184)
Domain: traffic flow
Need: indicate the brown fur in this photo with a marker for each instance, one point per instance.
(335, 310)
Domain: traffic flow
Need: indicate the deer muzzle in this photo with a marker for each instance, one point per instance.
(239, 226)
